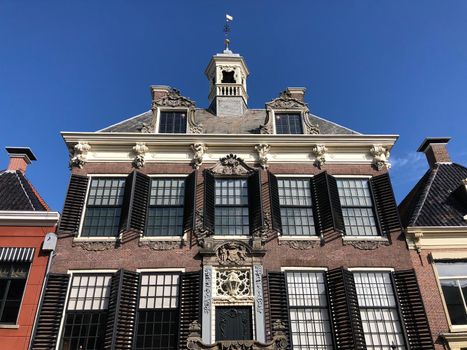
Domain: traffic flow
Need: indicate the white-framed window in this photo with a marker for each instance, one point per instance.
(166, 207)
(172, 122)
(13, 278)
(296, 206)
(158, 320)
(452, 276)
(231, 206)
(103, 207)
(379, 311)
(86, 311)
(310, 324)
(288, 122)
(357, 207)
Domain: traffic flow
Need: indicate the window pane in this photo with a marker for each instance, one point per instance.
(454, 302)
(309, 315)
(378, 310)
(451, 268)
(296, 207)
(89, 292)
(231, 207)
(357, 207)
(84, 330)
(172, 122)
(289, 124)
(12, 285)
(101, 222)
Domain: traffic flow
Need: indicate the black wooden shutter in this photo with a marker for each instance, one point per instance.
(50, 313)
(327, 204)
(255, 205)
(345, 313)
(412, 310)
(121, 314)
(209, 200)
(74, 204)
(278, 303)
(135, 202)
(190, 297)
(275, 203)
(385, 203)
(190, 201)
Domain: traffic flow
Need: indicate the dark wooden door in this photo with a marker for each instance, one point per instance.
(233, 323)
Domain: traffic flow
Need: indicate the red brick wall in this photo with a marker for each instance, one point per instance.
(18, 339)
(437, 152)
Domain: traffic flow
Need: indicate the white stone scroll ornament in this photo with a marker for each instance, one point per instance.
(319, 151)
(380, 156)
(140, 150)
(199, 150)
(79, 154)
(263, 150)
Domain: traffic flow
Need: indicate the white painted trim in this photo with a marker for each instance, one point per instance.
(231, 237)
(94, 239)
(9, 326)
(163, 238)
(353, 176)
(301, 268)
(282, 237)
(365, 238)
(303, 176)
(96, 271)
(371, 269)
(167, 269)
(168, 175)
(28, 218)
(449, 255)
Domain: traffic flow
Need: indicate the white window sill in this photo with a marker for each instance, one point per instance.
(9, 326)
(365, 238)
(458, 328)
(95, 239)
(162, 238)
(299, 238)
(232, 237)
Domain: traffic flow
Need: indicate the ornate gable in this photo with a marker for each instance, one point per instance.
(286, 101)
(231, 165)
(173, 99)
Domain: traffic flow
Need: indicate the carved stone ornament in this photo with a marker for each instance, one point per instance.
(193, 126)
(231, 253)
(319, 151)
(200, 232)
(268, 127)
(140, 150)
(146, 128)
(300, 244)
(231, 165)
(310, 128)
(160, 245)
(233, 283)
(95, 246)
(263, 150)
(199, 149)
(367, 245)
(79, 154)
(380, 156)
(286, 101)
(264, 232)
(173, 99)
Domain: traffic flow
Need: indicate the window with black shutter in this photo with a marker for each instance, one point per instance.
(278, 303)
(158, 312)
(74, 204)
(189, 304)
(233, 205)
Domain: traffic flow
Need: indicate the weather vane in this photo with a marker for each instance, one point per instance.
(228, 19)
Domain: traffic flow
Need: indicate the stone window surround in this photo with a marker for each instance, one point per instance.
(274, 111)
(158, 110)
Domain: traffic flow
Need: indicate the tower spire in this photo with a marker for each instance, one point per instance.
(228, 19)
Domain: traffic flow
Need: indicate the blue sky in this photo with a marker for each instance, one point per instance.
(374, 66)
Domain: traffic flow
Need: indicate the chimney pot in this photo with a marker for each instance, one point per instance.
(435, 150)
(297, 93)
(20, 158)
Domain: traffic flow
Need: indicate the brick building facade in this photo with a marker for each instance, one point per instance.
(434, 215)
(229, 227)
(25, 221)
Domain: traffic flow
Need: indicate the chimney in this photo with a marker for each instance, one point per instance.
(20, 158)
(159, 91)
(435, 150)
(297, 93)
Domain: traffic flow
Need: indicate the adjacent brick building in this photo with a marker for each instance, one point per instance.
(25, 220)
(237, 227)
(434, 215)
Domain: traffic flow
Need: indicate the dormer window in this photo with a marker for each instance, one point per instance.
(289, 123)
(172, 122)
(228, 77)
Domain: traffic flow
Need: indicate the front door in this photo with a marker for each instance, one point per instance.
(233, 323)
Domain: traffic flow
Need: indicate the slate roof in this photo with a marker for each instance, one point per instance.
(17, 193)
(435, 199)
(249, 123)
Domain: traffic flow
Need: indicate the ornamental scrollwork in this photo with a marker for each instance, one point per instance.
(319, 152)
(233, 283)
(380, 156)
(78, 155)
(310, 128)
(160, 245)
(267, 128)
(300, 244)
(263, 150)
(367, 245)
(231, 165)
(140, 150)
(199, 150)
(286, 101)
(231, 253)
(173, 98)
(94, 246)
(193, 126)
(200, 232)
(145, 128)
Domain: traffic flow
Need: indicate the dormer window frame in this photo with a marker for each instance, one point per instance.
(302, 112)
(186, 110)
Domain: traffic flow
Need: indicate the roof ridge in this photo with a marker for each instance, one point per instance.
(425, 192)
(24, 190)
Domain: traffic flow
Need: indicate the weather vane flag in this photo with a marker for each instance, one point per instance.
(228, 19)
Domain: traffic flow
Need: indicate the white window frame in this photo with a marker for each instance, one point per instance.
(187, 110)
(301, 112)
